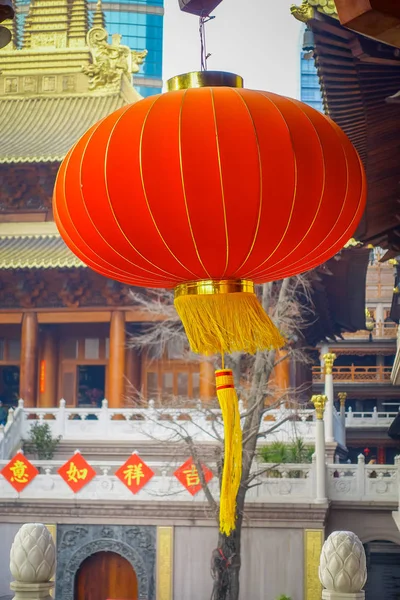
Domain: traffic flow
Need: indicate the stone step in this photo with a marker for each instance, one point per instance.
(120, 451)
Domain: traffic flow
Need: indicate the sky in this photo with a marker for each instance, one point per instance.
(257, 39)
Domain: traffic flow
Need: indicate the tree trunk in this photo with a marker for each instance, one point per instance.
(225, 565)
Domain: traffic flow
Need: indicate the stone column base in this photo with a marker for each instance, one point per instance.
(328, 595)
(31, 591)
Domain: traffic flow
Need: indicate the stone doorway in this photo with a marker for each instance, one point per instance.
(106, 576)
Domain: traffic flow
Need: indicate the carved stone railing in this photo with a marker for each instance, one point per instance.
(293, 483)
(363, 483)
(11, 435)
(355, 374)
(369, 419)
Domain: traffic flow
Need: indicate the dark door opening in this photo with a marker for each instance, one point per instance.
(91, 385)
(106, 576)
(9, 385)
(383, 566)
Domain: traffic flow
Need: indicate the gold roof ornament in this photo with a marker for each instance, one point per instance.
(64, 79)
(99, 18)
(305, 12)
(352, 243)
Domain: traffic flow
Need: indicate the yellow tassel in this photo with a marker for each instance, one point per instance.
(232, 470)
(227, 322)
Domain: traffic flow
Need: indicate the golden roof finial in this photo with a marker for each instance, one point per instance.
(78, 25)
(46, 25)
(99, 18)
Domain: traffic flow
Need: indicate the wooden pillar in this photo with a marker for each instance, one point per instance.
(207, 381)
(133, 368)
(48, 369)
(116, 365)
(29, 359)
(282, 370)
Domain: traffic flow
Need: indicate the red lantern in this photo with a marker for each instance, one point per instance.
(210, 190)
(209, 184)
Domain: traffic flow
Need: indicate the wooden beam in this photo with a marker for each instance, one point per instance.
(377, 19)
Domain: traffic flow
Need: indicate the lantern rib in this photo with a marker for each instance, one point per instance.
(184, 187)
(145, 193)
(249, 275)
(261, 181)
(221, 182)
(131, 107)
(321, 195)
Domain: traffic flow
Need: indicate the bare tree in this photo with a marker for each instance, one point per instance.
(288, 302)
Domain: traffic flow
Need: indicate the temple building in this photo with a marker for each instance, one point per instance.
(65, 361)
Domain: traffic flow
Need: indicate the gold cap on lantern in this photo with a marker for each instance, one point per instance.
(200, 79)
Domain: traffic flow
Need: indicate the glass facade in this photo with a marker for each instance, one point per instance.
(140, 23)
(310, 89)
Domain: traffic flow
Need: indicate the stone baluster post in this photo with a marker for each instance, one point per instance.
(32, 563)
(319, 403)
(61, 418)
(342, 568)
(329, 359)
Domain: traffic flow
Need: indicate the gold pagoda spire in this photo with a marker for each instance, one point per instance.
(99, 18)
(47, 24)
(78, 25)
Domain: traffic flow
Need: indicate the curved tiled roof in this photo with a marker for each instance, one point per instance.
(43, 129)
(47, 251)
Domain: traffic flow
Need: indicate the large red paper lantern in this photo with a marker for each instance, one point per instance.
(210, 184)
(210, 190)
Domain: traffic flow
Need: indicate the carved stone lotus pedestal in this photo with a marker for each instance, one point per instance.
(31, 591)
(342, 569)
(32, 562)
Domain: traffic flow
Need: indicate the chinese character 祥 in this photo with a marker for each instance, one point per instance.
(74, 473)
(19, 471)
(192, 476)
(133, 473)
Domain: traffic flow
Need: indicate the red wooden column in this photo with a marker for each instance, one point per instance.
(116, 364)
(48, 369)
(207, 380)
(133, 369)
(29, 359)
(282, 370)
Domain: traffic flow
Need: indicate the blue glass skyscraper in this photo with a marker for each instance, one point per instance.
(310, 89)
(140, 23)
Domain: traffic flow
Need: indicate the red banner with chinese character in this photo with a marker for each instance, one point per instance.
(188, 476)
(19, 472)
(77, 472)
(134, 473)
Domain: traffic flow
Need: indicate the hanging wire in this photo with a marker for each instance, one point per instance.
(204, 18)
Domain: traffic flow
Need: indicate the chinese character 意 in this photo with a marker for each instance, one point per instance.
(133, 473)
(74, 473)
(19, 472)
(192, 476)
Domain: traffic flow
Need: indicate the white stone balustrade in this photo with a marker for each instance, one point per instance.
(32, 563)
(342, 569)
(293, 483)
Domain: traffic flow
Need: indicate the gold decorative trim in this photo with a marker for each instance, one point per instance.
(313, 540)
(165, 550)
(214, 286)
(200, 79)
(305, 12)
(342, 398)
(319, 403)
